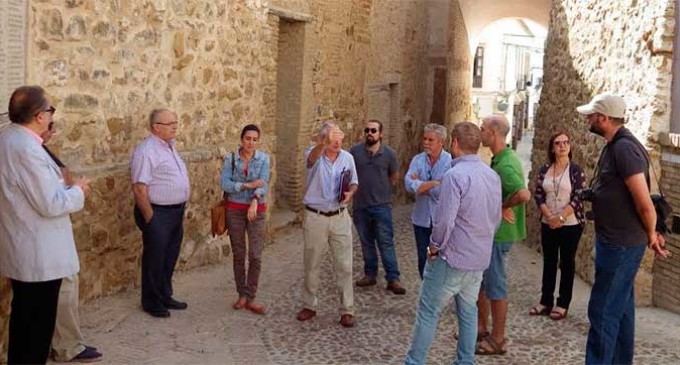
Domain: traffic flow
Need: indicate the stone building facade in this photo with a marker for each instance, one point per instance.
(282, 64)
(616, 46)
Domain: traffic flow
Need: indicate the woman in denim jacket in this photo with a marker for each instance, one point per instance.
(562, 221)
(245, 179)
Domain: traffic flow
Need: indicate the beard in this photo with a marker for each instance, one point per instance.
(371, 142)
(596, 130)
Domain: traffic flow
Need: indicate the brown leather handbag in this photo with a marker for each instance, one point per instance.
(218, 213)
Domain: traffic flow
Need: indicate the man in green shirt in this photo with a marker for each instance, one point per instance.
(512, 228)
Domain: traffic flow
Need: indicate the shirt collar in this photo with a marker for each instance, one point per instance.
(170, 143)
(500, 154)
(470, 157)
(378, 152)
(33, 134)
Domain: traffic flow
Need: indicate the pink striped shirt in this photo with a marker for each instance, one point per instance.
(157, 164)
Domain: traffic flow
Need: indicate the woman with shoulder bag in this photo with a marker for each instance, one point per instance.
(562, 221)
(245, 182)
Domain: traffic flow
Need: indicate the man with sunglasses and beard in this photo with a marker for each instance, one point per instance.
(377, 170)
(625, 222)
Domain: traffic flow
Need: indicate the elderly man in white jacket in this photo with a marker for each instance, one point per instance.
(36, 238)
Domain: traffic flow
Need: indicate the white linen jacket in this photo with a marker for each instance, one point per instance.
(36, 237)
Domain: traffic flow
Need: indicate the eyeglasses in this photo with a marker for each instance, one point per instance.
(370, 130)
(50, 110)
(170, 123)
(561, 143)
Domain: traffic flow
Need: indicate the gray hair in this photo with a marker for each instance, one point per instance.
(326, 126)
(499, 123)
(468, 136)
(155, 115)
(439, 129)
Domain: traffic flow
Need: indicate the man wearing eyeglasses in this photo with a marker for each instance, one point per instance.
(378, 170)
(160, 185)
(423, 179)
(37, 249)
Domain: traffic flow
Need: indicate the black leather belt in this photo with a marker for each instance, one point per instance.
(171, 206)
(326, 214)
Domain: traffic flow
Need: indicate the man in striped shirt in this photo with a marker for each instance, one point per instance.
(160, 185)
(464, 222)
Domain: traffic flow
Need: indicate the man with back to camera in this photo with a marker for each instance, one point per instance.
(625, 222)
(464, 223)
(378, 170)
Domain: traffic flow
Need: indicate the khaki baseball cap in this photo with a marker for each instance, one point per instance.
(608, 104)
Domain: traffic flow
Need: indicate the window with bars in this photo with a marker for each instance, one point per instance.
(478, 68)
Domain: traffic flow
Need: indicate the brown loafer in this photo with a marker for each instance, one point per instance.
(366, 281)
(395, 287)
(347, 320)
(255, 308)
(305, 314)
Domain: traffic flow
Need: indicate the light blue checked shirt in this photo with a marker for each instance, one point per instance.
(468, 214)
(425, 203)
(323, 181)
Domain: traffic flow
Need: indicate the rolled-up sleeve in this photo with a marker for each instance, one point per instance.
(264, 175)
(411, 184)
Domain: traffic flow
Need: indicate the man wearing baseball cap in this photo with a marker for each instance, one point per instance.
(625, 221)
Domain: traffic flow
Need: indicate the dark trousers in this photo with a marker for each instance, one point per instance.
(559, 247)
(162, 238)
(238, 226)
(422, 242)
(31, 322)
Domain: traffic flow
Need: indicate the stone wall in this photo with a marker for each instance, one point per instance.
(459, 65)
(665, 291)
(592, 47)
(105, 64)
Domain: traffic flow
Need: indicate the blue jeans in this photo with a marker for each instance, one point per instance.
(422, 241)
(495, 282)
(611, 309)
(441, 282)
(374, 225)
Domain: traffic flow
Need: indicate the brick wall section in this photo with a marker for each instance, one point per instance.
(588, 51)
(666, 287)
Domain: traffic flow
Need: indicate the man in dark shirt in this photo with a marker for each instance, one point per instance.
(377, 170)
(625, 222)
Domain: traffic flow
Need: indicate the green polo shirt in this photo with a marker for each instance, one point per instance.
(508, 166)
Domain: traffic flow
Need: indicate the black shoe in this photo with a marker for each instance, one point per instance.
(159, 313)
(175, 304)
(88, 355)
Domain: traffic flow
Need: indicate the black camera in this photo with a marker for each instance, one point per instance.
(585, 195)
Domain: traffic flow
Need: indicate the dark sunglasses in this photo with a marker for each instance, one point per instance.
(370, 130)
(561, 143)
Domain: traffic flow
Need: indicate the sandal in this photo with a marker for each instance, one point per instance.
(556, 315)
(540, 310)
(489, 346)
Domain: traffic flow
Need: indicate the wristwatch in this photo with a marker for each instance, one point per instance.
(562, 219)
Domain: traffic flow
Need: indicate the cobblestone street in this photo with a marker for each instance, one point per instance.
(210, 332)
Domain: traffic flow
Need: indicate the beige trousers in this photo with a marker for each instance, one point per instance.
(67, 341)
(320, 232)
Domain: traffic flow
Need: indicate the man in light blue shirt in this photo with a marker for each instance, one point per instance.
(465, 220)
(327, 222)
(422, 179)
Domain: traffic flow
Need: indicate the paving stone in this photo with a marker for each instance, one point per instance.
(211, 332)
